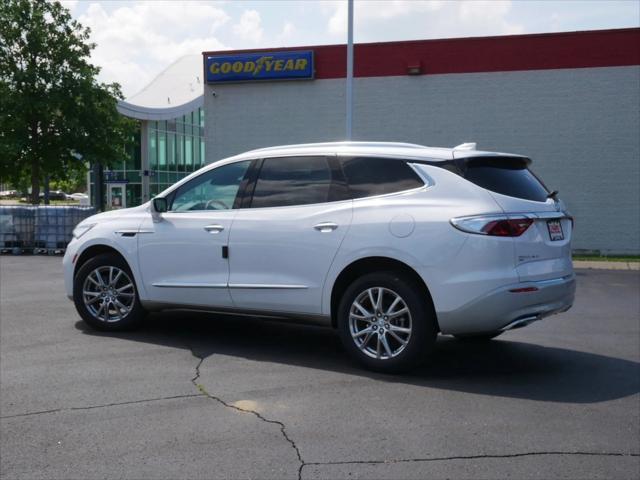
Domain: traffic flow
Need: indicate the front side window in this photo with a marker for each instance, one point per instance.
(213, 190)
(291, 181)
(370, 176)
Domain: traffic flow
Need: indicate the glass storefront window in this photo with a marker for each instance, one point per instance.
(180, 152)
(188, 152)
(153, 150)
(162, 150)
(175, 148)
(171, 150)
(196, 153)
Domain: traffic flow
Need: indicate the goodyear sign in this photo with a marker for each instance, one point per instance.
(248, 67)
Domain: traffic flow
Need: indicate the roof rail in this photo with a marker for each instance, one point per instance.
(344, 144)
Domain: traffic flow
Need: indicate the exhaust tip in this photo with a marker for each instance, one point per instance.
(520, 322)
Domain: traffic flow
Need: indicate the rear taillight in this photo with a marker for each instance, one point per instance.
(507, 228)
(493, 225)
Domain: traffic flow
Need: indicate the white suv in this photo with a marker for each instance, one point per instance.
(390, 243)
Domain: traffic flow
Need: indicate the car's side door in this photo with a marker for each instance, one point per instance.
(282, 244)
(183, 256)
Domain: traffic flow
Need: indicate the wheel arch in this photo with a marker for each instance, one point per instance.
(94, 250)
(366, 265)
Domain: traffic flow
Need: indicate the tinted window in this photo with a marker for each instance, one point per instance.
(508, 177)
(292, 181)
(376, 176)
(213, 190)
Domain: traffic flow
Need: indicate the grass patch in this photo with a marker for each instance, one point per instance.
(613, 258)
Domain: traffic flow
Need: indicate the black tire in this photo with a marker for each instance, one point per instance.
(478, 337)
(424, 328)
(135, 314)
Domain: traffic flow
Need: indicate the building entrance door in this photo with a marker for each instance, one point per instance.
(116, 197)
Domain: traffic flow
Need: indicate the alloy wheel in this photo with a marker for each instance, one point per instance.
(380, 323)
(108, 294)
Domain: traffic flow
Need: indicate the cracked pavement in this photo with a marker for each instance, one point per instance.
(201, 396)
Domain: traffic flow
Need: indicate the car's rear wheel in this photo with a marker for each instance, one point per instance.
(386, 323)
(105, 294)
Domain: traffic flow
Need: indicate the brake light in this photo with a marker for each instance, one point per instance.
(507, 228)
(494, 225)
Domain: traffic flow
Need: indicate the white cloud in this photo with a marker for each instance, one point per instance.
(423, 18)
(287, 34)
(249, 28)
(136, 41)
(70, 4)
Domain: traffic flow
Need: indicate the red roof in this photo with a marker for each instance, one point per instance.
(546, 51)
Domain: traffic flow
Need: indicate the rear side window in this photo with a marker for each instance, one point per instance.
(370, 176)
(506, 177)
(291, 181)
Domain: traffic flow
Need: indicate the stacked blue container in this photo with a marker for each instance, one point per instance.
(45, 229)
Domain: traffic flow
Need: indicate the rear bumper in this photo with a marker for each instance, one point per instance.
(503, 309)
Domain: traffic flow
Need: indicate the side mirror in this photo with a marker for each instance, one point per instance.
(160, 205)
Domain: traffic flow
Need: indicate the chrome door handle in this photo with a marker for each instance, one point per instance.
(326, 227)
(214, 228)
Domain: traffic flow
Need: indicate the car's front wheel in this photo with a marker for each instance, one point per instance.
(385, 322)
(105, 294)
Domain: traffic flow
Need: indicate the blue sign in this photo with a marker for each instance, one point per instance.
(248, 67)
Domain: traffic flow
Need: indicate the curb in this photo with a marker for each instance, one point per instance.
(604, 265)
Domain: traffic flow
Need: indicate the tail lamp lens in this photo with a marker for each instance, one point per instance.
(493, 225)
(507, 228)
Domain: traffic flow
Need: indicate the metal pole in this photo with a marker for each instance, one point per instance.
(349, 69)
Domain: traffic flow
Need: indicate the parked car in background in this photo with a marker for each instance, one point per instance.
(389, 243)
(78, 196)
(55, 195)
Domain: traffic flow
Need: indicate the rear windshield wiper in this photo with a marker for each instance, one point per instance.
(553, 194)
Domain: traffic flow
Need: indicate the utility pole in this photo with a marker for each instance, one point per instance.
(349, 95)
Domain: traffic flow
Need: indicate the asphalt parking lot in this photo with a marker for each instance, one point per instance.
(198, 396)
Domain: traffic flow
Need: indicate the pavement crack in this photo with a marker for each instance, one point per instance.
(106, 405)
(469, 457)
(281, 425)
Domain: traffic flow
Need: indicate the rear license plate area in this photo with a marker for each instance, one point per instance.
(555, 230)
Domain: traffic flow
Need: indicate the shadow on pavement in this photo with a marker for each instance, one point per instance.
(498, 368)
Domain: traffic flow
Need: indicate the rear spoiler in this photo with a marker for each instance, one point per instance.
(465, 158)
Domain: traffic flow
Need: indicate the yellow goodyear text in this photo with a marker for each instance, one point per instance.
(255, 67)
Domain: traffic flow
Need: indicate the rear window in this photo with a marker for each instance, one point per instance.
(370, 176)
(507, 177)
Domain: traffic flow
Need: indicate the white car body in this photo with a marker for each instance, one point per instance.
(281, 264)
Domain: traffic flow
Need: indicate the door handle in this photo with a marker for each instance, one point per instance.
(214, 228)
(326, 227)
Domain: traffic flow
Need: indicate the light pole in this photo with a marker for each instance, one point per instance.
(349, 93)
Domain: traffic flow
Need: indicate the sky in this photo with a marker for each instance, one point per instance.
(136, 40)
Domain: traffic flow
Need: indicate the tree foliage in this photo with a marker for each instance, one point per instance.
(53, 110)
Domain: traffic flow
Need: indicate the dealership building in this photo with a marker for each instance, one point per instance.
(570, 101)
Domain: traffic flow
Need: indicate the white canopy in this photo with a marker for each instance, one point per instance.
(174, 92)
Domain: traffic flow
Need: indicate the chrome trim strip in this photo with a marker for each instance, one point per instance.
(224, 285)
(267, 286)
(133, 231)
(188, 285)
(553, 281)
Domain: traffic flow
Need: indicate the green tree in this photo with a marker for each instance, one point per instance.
(52, 107)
